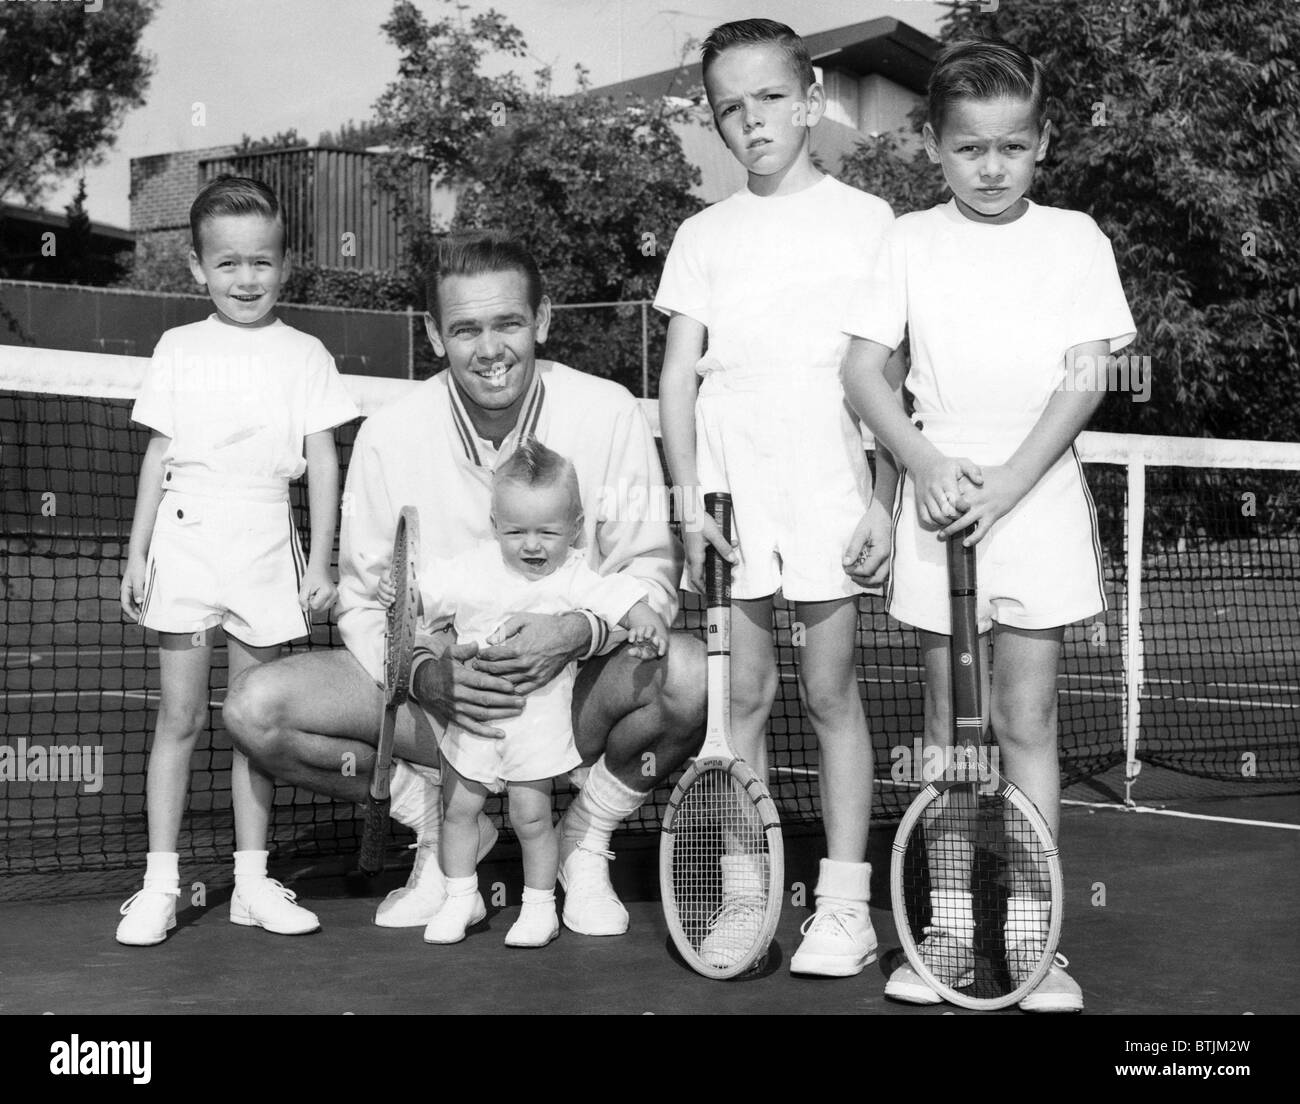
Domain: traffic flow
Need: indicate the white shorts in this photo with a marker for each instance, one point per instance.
(228, 561)
(537, 744)
(1039, 567)
(796, 470)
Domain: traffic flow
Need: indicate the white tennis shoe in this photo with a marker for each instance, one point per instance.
(838, 941)
(737, 925)
(734, 928)
(459, 913)
(415, 904)
(1057, 992)
(265, 903)
(537, 925)
(951, 960)
(591, 907)
(147, 916)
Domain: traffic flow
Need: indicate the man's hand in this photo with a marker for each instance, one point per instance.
(532, 648)
(866, 558)
(452, 688)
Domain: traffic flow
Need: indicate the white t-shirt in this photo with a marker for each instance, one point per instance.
(771, 277)
(237, 401)
(991, 310)
(423, 451)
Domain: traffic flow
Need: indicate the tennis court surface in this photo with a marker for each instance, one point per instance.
(1184, 695)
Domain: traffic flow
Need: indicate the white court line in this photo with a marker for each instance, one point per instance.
(1085, 804)
(1111, 694)
(812, 772)
(789, 676)
(24, 659)
(1101, 676)
(1120, 807)
(134, 695)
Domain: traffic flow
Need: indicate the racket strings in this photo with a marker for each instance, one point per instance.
(977, 880)
(721, 870)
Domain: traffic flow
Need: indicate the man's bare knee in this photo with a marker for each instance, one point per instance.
(685, 689)
(252, 712)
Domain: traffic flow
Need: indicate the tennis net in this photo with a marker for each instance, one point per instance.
(1194, 667)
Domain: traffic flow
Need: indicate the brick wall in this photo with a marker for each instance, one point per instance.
(163, 187)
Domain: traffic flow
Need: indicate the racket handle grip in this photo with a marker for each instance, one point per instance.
(964, 642)
(961, 567)
(374, 837)
(717, 572)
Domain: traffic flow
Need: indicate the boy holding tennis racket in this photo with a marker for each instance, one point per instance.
(239, 405)
(1004, 302)
(765, 275)
(532, 567)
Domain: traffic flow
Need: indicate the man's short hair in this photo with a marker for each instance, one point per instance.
(532, 464)
(985, 69)
(233, 195)
(477, 253)
(759, 32)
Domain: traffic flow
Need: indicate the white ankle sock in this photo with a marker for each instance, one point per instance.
(600, 808)
(462, 887)
(1027, 920)
(416, 795)
(844, 881)
(162, 871)
(539, 896)
(950, 909)
(249, 866)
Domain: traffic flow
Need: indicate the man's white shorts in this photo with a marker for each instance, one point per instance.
(797, 474)
(1039, 567)
(227, 561)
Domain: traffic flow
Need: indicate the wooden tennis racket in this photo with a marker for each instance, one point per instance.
(721, 861)
(399, 641)
(975, 876)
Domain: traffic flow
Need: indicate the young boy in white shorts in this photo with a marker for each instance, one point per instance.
(765, 275)
(531, 567)
(239, 405)
(1007, 305)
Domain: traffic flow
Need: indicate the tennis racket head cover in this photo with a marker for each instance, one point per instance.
(399, 643)
(975, 876)
(721, 860)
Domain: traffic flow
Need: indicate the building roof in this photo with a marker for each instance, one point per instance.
(886, 46)
(38, 217)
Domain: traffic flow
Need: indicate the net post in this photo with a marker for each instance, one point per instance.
(645, 351)
(1135, 501)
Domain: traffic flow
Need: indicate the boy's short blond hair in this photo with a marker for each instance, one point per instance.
(532, 464)
(234, 195)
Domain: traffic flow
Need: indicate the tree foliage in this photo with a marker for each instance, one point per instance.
(284, 139)
(67, 78)
(1177, 130)
(595, 188)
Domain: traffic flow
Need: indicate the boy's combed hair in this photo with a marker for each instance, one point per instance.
(986, 69)
(477, 253)
(758, 32)
(532, 464)
(233, 195)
